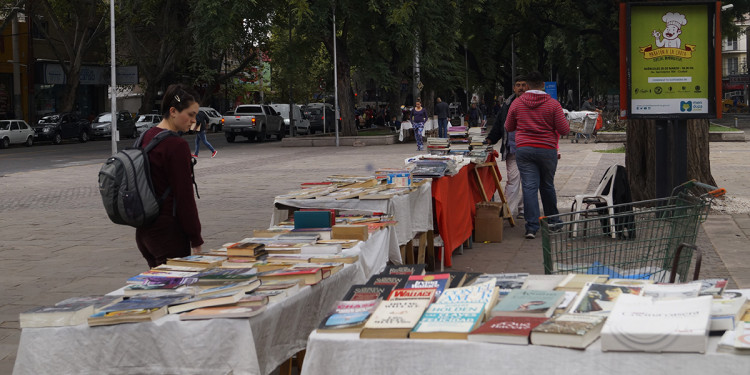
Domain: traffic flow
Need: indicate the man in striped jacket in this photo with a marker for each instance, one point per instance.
(538, 121)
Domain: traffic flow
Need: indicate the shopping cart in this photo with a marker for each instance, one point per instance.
(654, 239)
(582, 125)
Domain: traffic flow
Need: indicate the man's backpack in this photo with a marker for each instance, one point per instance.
(126, 188)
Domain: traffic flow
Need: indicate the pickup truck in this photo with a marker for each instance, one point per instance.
(254, 121)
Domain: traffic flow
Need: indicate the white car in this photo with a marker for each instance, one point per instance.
(146, 122)
(214, 118)
(15, 131)
(301, 125)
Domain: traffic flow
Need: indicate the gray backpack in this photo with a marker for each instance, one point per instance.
(126, 188)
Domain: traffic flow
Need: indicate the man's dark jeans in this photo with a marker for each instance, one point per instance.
(537, 167)
(442, 127)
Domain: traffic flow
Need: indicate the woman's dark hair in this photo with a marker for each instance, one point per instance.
(178, 96)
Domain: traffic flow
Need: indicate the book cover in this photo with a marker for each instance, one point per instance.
(727, 310)
(600, 298)
(205, 261)
(574, 282)
(413, 293)
(629, 282)
(394, 319)
(361, 292)
(449, 321)
(311, 275)
(321, 249)
(245, 249)
(527, 302)
(138, 289)
(134, 310)
(457, 279)
(226, 275)
(470, 278)
(96, 300)
(395, 281)
(505, 281)
(246, 286)
(644, 324)
(347, 259)
(404, 269)
(711, 287)
(568, 331)
(70, 314)
(436, 281)
(348, 316)
(193, 303)
(252, 300)
(223, 312)
(542, 282)
(312, 219)
(506, 330)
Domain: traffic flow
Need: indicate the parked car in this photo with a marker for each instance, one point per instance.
(254, 121)
(214, 118)
(15, 131)
(301, 124)
(102, 125)
(66, 125)
(314, 113)
(146, 122)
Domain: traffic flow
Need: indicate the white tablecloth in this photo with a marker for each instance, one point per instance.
(343, 353)
(171, 346)
(413, 211)
(406, 125)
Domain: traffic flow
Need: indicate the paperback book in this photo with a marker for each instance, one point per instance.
(506, 330)
(363, 292)
(599, 299)
(528, 302)
(568, 331)
(348, 316)
(405, 269)
(134, 310)
(205, 261)
(394, 319)
(449, 321)
(435, 281)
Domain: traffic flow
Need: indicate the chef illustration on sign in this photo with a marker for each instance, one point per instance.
(671, 39)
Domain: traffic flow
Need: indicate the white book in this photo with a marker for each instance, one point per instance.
(542, 282)
(727, 310)
(449, 320)
(671, 291)
(644, 324)
(321, 249)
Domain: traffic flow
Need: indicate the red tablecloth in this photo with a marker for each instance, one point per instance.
(455, 199)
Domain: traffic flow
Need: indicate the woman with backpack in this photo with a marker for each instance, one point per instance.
(177, 230)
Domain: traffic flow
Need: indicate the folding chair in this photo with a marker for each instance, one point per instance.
(602, 195)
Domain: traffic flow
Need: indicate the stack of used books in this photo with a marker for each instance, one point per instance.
(438, 146)
(459, 141)
(429, 168)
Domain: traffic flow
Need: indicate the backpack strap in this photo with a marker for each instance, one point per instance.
(162, 135)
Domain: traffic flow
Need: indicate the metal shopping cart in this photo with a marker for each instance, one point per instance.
(582, 125)
(654, 239)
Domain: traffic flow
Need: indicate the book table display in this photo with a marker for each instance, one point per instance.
(430, 124)
(216, 346)
(345, 353)
(413, 212)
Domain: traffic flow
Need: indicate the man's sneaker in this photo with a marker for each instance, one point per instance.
(214, 153)
(558, 227)
(194, 155)
(530, 235)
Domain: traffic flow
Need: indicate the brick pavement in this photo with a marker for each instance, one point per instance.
(57, 241)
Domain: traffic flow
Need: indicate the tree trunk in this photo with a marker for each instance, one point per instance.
(72, 81)
(149, 95)
(640, 159)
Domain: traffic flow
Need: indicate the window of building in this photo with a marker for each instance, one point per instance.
(731, 44)
(732, 65)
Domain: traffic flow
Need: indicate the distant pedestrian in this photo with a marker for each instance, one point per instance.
(200, 134)
(508, 149)
(475, 115)
(483, 110)
(442, 111)
(588, 105)
(418, 118)
(538, 121)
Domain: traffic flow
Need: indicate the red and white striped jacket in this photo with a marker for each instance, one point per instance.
(537, 119)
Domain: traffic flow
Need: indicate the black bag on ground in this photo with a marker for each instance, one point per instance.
(126, 188)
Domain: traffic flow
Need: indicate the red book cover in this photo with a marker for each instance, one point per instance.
(506, 329)
(437, 281)
(413, 293)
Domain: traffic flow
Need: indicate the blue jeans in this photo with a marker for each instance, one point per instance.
(442, 127)
(537, 168)
(201, 137)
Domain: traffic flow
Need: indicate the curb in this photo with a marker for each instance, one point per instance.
(314, 141)
(619, 137)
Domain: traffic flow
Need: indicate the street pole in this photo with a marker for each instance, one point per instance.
(466, 71)
(579, 86)
(113, 77)
(291, 98)
(18, 112)
(226, 83)
(335, 81)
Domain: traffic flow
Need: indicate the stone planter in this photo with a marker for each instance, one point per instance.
(619, 137)
(329, 141)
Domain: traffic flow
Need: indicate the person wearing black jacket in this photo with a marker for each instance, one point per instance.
(513, 192)
(442, 111)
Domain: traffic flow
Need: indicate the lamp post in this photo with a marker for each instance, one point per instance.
(113, 77)
(226, 83)
(579, 86)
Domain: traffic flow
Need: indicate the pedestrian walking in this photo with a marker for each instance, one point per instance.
(418, 118)
(475, 115)
(177, 230)
(442, 111)
(201, 120)
(508, 149)
(538, 121)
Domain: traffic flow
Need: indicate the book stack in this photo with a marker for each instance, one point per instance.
(429, 168)
(70, 312)
(459, 141)
(438, 146)
(244, 253)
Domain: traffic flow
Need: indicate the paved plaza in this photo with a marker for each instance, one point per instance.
(57, 242)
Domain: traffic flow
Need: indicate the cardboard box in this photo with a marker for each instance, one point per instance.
(350, 232)
(488, 224)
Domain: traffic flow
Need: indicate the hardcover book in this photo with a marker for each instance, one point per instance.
(223, 312)
(321, 249)
(246, 286)
(394, 319)
(643, 324)
(395, 281)
(506, 330)
(310, 275)
(245, 249)
(226, 275)
(205, 261)
(436, 281)
(568, 331)
(252, 300)
(404, 269)
(347, 259)
(527, 302)
(449, 321)
(471, 278)
(599, 299)
(362, 292)
(348, 316)
(457, 279)
(197, 302)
